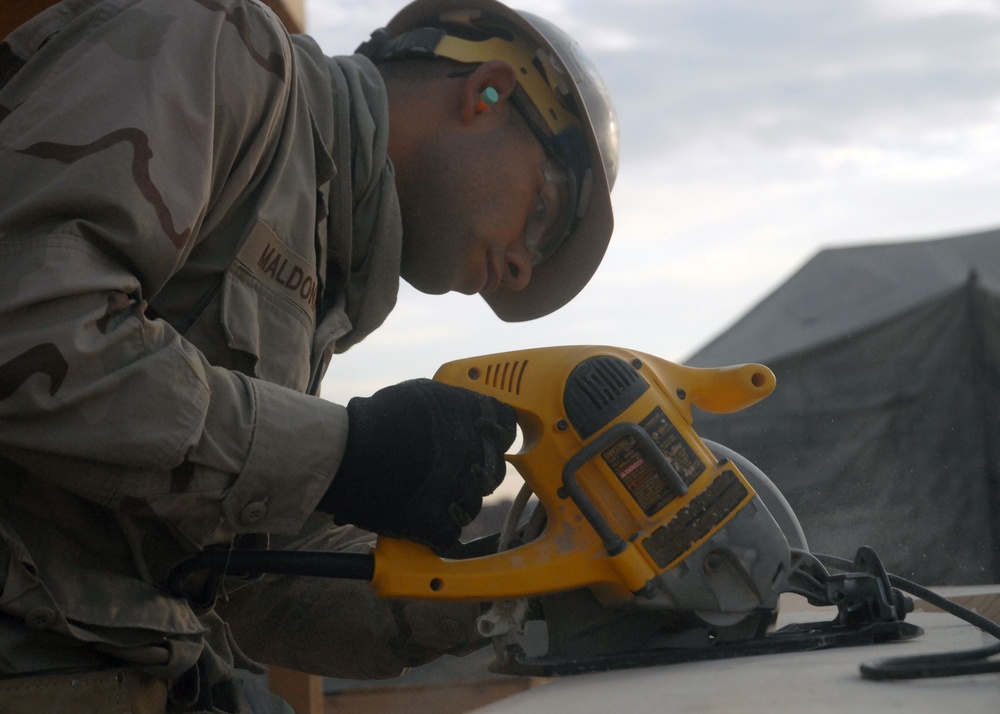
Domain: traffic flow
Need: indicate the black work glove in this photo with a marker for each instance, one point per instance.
(420, 457)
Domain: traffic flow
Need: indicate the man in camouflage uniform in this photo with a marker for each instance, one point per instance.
(196, 212)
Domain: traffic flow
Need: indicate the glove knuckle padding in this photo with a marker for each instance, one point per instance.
(420, 457)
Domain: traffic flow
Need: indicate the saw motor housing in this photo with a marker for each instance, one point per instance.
(638, 509)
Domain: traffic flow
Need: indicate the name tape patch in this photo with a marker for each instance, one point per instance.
(276, 265)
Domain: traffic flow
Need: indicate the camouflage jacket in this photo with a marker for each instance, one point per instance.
(196, 211)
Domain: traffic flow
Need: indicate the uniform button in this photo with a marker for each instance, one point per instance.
(253, 513)
(40, 618)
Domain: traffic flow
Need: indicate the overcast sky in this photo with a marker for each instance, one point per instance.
(753, 135)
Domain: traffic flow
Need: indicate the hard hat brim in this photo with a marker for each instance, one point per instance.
(564, 274)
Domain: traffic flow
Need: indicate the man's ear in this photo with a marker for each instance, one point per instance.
(495, 74)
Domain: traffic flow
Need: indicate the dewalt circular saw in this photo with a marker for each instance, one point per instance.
(633, 541)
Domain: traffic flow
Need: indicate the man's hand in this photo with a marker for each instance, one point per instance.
(420, 457)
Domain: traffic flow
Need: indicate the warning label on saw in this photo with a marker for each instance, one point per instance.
(696, 520)
(640, 477)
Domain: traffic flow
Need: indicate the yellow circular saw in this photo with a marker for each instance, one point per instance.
(633, 541)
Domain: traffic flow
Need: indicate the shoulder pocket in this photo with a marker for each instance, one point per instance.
(262, 318)
(276, 333)
(269, 307)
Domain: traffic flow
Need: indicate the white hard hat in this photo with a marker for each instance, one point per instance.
(564, 100)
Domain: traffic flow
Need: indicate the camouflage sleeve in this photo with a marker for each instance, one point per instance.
(125, 138)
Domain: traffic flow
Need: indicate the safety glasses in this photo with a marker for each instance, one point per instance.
(552, 218)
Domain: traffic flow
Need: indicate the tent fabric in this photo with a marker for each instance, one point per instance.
(884, 429)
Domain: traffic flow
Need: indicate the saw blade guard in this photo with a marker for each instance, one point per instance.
(638, 509)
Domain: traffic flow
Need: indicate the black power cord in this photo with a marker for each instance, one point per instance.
(221, 561)
(943, 664)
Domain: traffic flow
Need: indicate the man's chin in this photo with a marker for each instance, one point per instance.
(426, 287)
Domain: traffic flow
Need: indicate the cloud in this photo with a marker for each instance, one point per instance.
(780, 73)
(753, 135)
(935, 8)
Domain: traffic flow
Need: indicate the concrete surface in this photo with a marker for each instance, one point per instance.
(814, 682)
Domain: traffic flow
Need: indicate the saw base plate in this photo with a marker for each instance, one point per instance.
(802, 637)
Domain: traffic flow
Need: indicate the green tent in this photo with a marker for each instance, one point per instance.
(884, 429)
